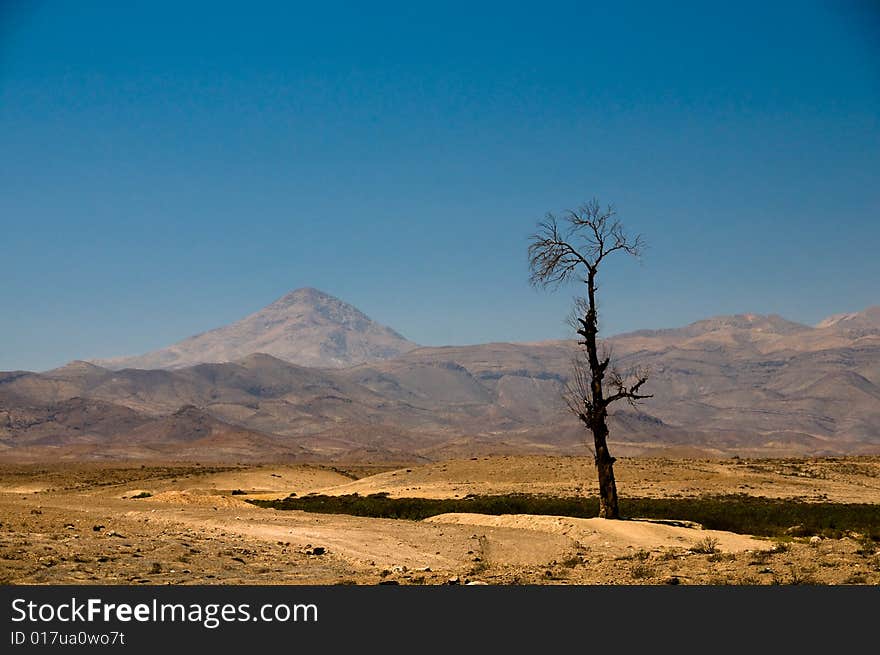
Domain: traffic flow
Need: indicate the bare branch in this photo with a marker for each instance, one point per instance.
(552, 260)
(616, 239)
(577, 393)
(605, 355)
(577, 318)
(591, 234)
(628, 386)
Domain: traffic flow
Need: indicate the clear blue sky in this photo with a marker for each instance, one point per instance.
(169, 167)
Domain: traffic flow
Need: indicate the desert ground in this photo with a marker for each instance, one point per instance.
(162, 523)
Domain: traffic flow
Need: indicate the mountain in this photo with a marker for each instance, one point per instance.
(756, 378)
(82, 428)
(749, 323)
(866, 322)
(306, 327)
(744, 384)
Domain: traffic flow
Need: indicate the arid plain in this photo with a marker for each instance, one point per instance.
(190, 524)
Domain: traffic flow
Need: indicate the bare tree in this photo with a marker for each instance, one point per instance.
(575, 251)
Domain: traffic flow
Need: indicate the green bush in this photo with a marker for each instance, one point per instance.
(734, 513)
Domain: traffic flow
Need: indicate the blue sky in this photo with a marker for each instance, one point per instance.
(167, 169)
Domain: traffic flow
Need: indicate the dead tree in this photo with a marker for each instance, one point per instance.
(575, 251)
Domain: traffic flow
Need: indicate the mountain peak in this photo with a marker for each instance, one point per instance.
(772, 323)
(76, 368)
(866, 320)
(307, 326)
(729, 323)
(306, 294)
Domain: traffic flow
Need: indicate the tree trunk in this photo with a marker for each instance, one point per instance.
(604, 461)
(608, 508)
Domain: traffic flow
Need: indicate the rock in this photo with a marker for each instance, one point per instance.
(673, 580)
(815, 539)
(453, 580)
(97, 528)
(389, 582)
(471, 583)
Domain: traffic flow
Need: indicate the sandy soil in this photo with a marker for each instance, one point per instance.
(615, 537)
(848, 480)
(85, 524)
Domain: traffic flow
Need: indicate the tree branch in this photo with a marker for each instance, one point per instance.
(630, 392)
(577, 394)
(552, 259)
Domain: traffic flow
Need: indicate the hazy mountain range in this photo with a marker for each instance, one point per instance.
(745, 384)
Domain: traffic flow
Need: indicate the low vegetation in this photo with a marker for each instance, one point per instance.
(735, 513)
(707, 546)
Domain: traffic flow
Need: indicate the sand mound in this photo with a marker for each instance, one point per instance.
(280, 479)
(192, 497)
(23, 489)
(611, 535)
